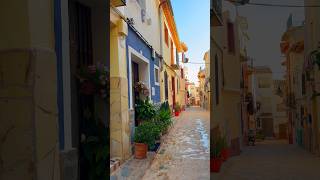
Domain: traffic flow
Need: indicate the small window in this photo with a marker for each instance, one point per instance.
(156, 75)
(166, 35)
(231, 38)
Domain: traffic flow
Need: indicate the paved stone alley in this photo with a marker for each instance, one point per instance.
(185, 153)
(271, 160)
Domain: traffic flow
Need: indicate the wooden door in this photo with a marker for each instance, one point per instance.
(267, 127)
(135, 79)
(166, 85)
(80, 56)
(283, 128)
(173, 92)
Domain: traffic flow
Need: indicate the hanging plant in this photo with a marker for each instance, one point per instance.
(141, 88)
(94, 80)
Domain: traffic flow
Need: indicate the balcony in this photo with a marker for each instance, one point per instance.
(117, 3)
(216, 13)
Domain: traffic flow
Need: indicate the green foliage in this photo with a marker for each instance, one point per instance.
(224, 142)
(316, 56)
(177, 107)
(260, 135)
(163, 119)
(144, 110)
(146, 133)
(96, 149)
(216, 148)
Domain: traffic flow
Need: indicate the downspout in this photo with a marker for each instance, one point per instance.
(162, 2)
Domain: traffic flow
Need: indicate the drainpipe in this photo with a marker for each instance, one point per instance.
(160, 24)
(162, 2)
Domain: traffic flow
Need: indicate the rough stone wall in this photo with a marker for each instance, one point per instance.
(28, 112)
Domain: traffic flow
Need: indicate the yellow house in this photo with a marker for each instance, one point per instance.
(119, 119)
(312, 38)
(172, 50)
(292, 46)
(226, 74)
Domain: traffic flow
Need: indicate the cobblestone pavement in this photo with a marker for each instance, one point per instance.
(271, 160)
(185, 153)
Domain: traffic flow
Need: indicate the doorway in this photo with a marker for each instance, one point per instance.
(80, 37)
(173, 92)
(267, 126)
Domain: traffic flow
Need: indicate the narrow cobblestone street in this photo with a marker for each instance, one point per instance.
(271, 160)
(185, 153)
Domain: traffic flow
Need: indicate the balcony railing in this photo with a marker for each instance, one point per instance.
(216, 12)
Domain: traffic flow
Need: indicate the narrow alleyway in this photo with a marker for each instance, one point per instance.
(271, 160)
(185, 153)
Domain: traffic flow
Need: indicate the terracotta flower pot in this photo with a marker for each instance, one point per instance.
(215, 164)
(225, 154)
(176, 113)
(140, 151)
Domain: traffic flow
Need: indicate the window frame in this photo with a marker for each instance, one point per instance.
(157, 83)
(166, 34)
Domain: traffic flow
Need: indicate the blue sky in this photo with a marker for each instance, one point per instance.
(193, 24)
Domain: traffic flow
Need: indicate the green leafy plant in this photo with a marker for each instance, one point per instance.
(177, 107)
(94, 80)
(94, 142)
(163, 119)
(260, 135)
(144, 110)
(224, 142)
(146, 133)
(216, 148)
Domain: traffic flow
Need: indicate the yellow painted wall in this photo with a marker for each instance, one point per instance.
(28, 68)
(119, 109)
(226, 114)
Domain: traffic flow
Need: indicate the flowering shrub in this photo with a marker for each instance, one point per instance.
(94, 80)
(141, 88)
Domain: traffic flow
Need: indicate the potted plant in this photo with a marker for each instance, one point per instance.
(177, 109)
(215, 160)
(144, 110)
(144, 138)
(225, 149)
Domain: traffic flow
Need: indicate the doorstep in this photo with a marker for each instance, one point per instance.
(133, 168)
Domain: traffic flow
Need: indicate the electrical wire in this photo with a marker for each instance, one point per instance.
(281, 5)
(270, 5)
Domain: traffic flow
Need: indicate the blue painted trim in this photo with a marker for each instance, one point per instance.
(58, 49)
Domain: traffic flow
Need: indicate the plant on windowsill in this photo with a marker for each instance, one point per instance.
(94, 80)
